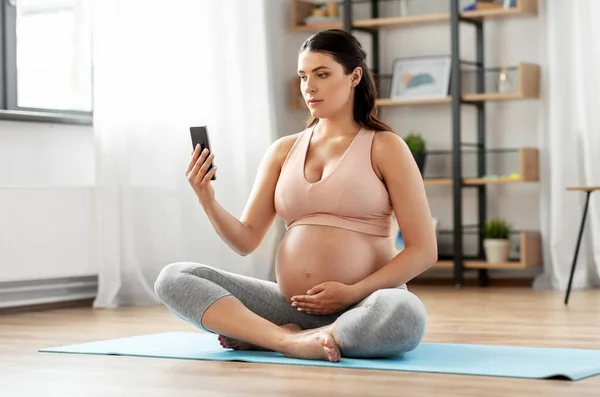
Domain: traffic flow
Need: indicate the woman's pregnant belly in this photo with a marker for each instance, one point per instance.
(310, 255)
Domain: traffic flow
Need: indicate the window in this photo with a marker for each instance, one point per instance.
(46, 63)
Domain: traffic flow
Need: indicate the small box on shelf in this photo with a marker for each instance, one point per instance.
(498, 10)
(309, 16)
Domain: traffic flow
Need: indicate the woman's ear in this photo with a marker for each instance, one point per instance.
(356, 76)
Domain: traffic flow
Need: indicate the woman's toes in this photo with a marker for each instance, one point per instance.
(330, 347)
(226, 342)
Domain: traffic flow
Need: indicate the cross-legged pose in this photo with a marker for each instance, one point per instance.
(341, 283)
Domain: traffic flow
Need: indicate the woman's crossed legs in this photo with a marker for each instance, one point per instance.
(386, 323)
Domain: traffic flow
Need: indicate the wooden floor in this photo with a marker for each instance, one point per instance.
(495, 315)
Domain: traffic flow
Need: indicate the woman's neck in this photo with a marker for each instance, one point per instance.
(341, 124)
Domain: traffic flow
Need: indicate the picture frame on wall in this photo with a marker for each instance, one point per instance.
(421, 77)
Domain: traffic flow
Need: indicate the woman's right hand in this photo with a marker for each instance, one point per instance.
(199, 178)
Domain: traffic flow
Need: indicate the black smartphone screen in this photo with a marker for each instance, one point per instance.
(199, 136)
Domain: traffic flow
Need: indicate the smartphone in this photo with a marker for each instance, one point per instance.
(200, 137)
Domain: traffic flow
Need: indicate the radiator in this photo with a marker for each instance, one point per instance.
(34, 292)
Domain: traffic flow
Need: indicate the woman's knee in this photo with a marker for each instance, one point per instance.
(390, 323)
(170, 277)
(408, 318)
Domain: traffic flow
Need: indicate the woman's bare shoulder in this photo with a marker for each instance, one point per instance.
(388, 147)
(282, 146)
(382, 139)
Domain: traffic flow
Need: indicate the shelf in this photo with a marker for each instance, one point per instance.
(302, 9)
(528, 172)
(411, 101)
(527, 87)
(396, 21)
(479, 85)
(316, 28)
(438, 181)
(473, 181)
(523, 8)
(531, 254)
(298, 101)
(374, 23)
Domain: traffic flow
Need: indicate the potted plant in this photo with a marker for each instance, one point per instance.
(417, 147)
(496, 242)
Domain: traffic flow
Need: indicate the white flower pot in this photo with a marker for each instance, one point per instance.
(496, 250)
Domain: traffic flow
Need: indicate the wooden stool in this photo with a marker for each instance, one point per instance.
(588, 190)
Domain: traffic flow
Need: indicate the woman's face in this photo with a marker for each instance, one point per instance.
(324, 86)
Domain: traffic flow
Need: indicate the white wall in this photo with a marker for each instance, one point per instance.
(42, 154)
(46, 180)
(47, 177)
(283, 47)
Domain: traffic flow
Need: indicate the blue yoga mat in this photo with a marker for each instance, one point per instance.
(447, 358)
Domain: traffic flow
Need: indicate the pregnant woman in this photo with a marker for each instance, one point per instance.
(341, 284)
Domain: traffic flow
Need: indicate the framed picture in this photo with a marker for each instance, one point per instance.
(422, 77)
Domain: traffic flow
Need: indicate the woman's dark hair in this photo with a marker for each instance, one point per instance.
(347, 51)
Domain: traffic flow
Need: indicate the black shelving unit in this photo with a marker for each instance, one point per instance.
(475, 174)
(456, 107)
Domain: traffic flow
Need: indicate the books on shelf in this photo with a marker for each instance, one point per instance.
(316, 21)
(472, 5)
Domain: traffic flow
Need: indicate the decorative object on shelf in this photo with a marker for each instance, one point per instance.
(469, 5)
(513, 176)
(417, 146)
(496, 242)
(504, 83)
(319, 11)
(472, 5)
(324, 13)
(333, 9)
(496, 81)
(421, 77)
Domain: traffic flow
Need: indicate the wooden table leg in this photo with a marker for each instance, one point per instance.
(585, 209)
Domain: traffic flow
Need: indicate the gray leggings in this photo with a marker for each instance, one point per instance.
(386, 323)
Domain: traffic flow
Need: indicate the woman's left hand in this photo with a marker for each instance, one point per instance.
(326, 298)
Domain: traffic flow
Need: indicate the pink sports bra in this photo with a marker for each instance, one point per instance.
(351, 197)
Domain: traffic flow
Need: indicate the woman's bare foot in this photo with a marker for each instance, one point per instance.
(320, 345)
(230, 343)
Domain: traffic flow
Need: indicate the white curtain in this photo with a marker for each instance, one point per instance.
(159, 68)
(570, 141)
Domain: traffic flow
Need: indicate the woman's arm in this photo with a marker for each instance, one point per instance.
(246, 234)
(394, 161)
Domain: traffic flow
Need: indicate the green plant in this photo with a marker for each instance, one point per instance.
(415, 143)
(497, 228)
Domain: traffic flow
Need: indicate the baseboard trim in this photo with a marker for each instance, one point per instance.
(33, 293)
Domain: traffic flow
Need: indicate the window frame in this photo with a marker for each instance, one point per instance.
(9, 109)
